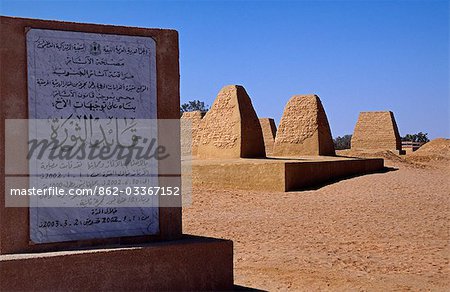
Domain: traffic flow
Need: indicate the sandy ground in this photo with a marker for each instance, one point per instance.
(387, 231)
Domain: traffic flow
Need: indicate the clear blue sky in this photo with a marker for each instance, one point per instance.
(356, 55)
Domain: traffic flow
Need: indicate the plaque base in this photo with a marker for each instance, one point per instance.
(192, 263)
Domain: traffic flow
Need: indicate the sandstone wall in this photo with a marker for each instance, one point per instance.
(376, 131)
(191, 123)
(269, 130)
(304, 129)
(231, 127)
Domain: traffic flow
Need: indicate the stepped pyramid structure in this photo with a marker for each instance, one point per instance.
(303, 129)
(231, 128)
(376, 131)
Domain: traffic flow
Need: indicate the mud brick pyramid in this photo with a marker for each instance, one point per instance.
(269, 130)
(190, 132)
(231, 127)
(232, 143)
(376, 131)
(303, 129)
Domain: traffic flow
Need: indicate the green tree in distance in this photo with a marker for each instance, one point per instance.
(419, 137)
(343, 142)
(194, 105)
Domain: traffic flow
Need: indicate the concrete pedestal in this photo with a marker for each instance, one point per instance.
(192, 263)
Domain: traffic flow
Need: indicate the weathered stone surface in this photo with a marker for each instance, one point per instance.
(191, 123)
(376, 131)
(269, 130)
(304, 129)
(231, 127)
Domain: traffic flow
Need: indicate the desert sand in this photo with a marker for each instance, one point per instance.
(384, 231)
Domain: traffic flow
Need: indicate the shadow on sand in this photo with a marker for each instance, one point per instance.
(321, 185)
(243, 288)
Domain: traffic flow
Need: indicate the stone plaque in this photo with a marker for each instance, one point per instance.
(96, 91)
